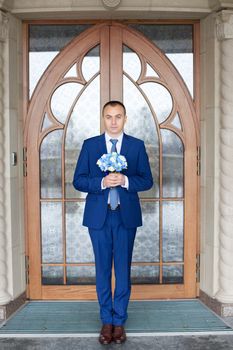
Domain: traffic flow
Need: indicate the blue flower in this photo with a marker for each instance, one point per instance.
(112, 162)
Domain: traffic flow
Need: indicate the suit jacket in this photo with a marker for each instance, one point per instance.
(88, 177)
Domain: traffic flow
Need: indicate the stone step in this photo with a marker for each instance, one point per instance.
(162, 342)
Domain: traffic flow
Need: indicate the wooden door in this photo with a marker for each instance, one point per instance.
(111, 61)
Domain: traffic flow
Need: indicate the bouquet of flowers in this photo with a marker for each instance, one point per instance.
(112, 162)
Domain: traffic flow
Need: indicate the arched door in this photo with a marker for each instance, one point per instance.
(111, 61)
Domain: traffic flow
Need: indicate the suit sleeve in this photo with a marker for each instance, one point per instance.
(143, 180)
(82, 180)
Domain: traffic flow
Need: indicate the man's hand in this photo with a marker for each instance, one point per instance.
(113, 180)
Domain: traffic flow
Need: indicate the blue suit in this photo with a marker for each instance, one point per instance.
(112, 232)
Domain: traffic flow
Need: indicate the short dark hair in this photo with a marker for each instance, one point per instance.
(113, 103)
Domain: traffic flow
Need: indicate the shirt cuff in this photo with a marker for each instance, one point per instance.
(126, 185)
(102, 184)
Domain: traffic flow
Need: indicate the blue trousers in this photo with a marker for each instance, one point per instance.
(113, 242)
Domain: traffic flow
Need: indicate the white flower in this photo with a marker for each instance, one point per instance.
(111, 168)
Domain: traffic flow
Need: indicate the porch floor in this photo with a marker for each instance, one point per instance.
(144, 317)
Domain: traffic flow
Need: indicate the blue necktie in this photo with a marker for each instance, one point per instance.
(113, 191)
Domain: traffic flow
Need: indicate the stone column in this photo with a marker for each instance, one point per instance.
(4, 295)
(225, 36)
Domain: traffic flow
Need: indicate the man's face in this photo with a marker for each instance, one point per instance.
(114, 119)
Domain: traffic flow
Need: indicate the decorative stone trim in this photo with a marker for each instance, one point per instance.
(111, 4)
(222, 309)
(4, 295)
(7, 310)
(3, 26)
(225, 34)
(225, 25)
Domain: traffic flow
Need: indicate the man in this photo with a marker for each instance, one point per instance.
(113, 213)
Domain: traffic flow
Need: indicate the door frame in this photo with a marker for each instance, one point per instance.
(33, 225)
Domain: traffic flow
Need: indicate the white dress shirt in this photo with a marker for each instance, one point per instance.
(118, 147)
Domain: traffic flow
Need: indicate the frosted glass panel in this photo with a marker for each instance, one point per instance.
(50, 165)
(176, 41)
(45, 42)
(80, 275)
(173, 231)
(84, 123)
(184, 64)
(173, 274)
(176, 122)
(140, 123)
(170, 38)
(52, 275)
(150, 72)
(63, 98)
(159, 98)
(78, 243)
(51, 232)
(38, 62)
(131, 63)
(91, 63)
(46, 122)
(146, 244)
(145, 274)
(173, 158)
(72, 72)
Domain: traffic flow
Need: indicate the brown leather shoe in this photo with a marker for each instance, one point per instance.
(105, 336)
(119, 335)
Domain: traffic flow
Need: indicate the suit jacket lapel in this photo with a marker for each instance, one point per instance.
(125, 145)
(102, 144)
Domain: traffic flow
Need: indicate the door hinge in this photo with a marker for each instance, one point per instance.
(198, 268)
(198, 160)
(27, 269)
(25, 161)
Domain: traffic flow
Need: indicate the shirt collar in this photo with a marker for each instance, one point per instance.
(119, 138)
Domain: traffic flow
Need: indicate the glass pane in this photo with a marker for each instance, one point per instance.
(51, 232)
(140, 123)
(45, 42)
(46, 122)
(159, 98)
(171, 38)
(91, 63)
(52, 275)
(150, 72)
(38, 62)
(131, 63)
(50, 165)
(63, 98)
(145, 274)
(78, 243)
(146, 245)
(173, 158)
(72, 72)
(176, 122)
(84, 123)
(173, 274)
(184, 64)
(173, 231)
(176, 41)
(80, 275)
